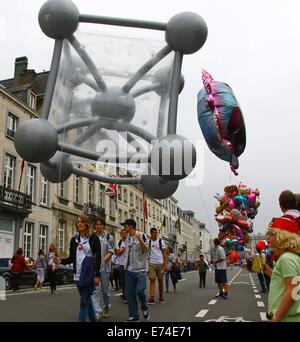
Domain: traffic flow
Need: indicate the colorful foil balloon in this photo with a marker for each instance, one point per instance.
(221, 120)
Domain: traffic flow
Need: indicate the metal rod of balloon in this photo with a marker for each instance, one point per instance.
(145, 89)
(146, 67)
(96, 177)
(52, 79)
(120, 126)
(174, 93)
(88, 62)
(144, 24)
(161, 116)
(100, 156)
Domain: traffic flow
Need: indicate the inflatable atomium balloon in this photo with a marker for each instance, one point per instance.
(109, 96)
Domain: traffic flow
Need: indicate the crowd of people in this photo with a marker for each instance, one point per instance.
(98, 260)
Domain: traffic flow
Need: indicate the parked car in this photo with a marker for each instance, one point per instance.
(64, 275)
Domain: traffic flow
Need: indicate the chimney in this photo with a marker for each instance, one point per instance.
(21, 64)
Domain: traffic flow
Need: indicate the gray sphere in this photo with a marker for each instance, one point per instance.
(174, 157)
(59, 170)
(162, 76)
(114, 103)
(36, 140)
(186, 32)
(156, 187)
(59, 19)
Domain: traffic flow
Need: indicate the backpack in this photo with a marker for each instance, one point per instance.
(160, 244)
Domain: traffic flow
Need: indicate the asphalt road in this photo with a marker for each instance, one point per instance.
(188, 304)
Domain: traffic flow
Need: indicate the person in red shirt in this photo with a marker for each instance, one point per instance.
(18, 267)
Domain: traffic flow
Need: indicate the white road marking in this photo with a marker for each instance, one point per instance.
(232, 280)
(182, 279)
(118, 294)
(241, 282)
(255, 291)
(263, 316)
(257, 296)
(202, 313)
(213, 302)
(39, 291)
(260, 304)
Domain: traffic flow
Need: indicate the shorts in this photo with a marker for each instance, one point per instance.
(156, 271)
(220, 276)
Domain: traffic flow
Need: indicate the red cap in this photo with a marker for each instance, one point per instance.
(285, 223)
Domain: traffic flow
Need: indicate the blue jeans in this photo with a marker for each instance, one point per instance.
(136, 284)
(104, 286)
(86, 307)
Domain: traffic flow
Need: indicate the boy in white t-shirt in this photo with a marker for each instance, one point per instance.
(157, 265)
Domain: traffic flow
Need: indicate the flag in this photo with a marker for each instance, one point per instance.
(111, 190)
(22, 171)
(145, 207)
(163, 224)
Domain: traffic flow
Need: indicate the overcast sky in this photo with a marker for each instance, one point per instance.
(252, 45)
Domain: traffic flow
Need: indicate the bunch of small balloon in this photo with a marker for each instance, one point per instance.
(234, 214)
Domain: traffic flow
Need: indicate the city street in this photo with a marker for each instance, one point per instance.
(189, 304)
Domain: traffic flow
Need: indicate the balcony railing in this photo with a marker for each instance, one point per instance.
(15, 199)
(94, 210)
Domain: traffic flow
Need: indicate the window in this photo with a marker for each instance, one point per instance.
(12, 124)
(125, 215)
(153, 212)
(91, 192)
(101, 196)
(200, 244)
(131, 199)
(200, 233)
(125, 196)
(112, 207)
(32, 100)
(61, 236)
(30, 181)
(9, 171)
(136, 202)
(28, 233)
(77, 189)
(120, 193)
(120, 216)
(141, 205)
(63, 190)
(44, 191)
(43, 235)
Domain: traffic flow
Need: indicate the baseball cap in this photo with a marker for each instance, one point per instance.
(129, 222)
(285, 223)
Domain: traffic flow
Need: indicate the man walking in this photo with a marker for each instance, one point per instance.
(136, 270)
(157, 265)
(219, 261)
(120, 261)
(107, 250)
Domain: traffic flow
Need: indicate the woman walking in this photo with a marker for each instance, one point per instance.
(85, 254)
(40, 266)
(52, 265)
(18, 267)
